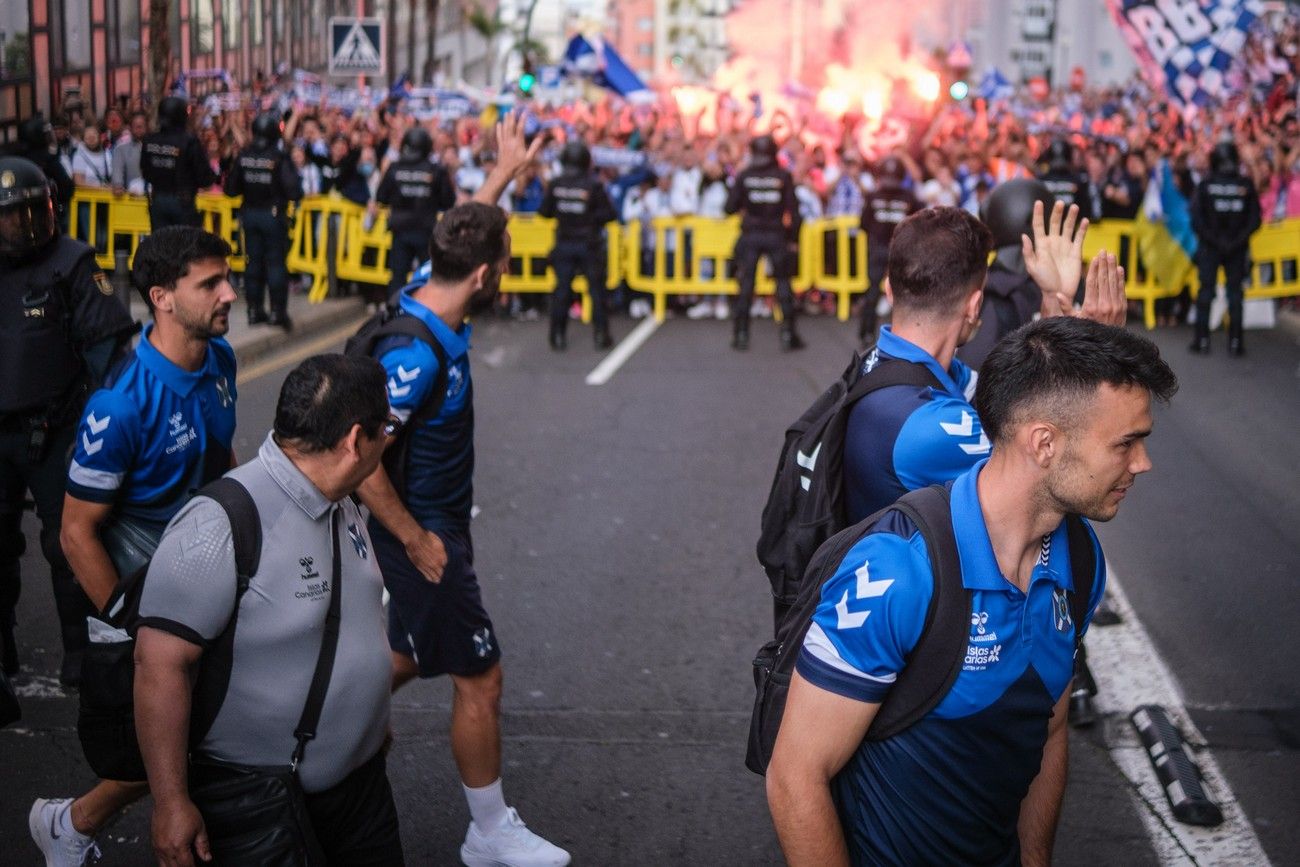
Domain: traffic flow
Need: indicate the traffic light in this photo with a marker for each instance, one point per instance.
(527, 78)
(959, 90)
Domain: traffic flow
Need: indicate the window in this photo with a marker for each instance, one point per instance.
(201, 26)
(70, 33)
(645, 24)
(255, 22)
(15, 45)
(230, 23)
(123, 32)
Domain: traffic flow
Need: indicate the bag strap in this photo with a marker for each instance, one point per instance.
(1083, 568)
(936, 660)
(405, 325)
(890, 372)
(245, 528)
(320, 680)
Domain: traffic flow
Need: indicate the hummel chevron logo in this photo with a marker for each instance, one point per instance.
(97, 426)
(808, 462)
(397, 390)
(407, 377)
(965, 429)
(90, 446)
(865, 589)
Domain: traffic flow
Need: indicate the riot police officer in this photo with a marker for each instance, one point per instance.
(36, 142)
(1066, 184)
(267, 180)
(416, 191)
(1225, 213)
(882, 211)
(60, 330)
(174, 165)
(1011, 297)
(581, 208)
(763, 194)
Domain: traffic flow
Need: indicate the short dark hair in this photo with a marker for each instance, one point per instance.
(165, 256)
(322, 398)
(1057, 364)
(937, 257)
(466, 237)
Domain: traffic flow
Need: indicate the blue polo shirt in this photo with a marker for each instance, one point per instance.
(904, 437)
(440, 463)
(155, 432)
(948, 789)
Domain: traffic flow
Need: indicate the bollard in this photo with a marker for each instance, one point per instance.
(1177, 771)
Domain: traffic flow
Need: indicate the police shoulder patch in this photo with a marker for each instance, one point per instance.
(103, 284)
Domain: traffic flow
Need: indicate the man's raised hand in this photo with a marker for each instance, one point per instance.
(1054, 257)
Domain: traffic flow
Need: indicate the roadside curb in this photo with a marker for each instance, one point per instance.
(308, 321)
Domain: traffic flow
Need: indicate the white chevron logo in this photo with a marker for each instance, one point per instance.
(808, 462)
(965, 429)
(97, 426)
(89, 446)
(865, 589)
(407, 377)
(397, 390)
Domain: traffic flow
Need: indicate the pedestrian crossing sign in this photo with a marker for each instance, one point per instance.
(356, 46)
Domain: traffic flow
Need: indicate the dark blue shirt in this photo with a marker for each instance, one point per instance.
(438, 485)
(904, 437)
(155, 432)
(948, 789)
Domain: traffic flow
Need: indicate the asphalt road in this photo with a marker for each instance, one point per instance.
(615, 546)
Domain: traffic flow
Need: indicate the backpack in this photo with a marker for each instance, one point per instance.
(937, 658)
(392, 321)
(106, 716)
(806, 505)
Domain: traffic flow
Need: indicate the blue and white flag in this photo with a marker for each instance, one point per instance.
(1187, 47)
(994, 85)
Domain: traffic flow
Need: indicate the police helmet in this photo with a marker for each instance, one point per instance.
(173, 112)
(763, 150)
(27, 221)
(575, 157)
(1224, 159)
(1009, 210)
(1059, 155)
(891, 170)
(267, 128)
(417, 144)
(36, 134)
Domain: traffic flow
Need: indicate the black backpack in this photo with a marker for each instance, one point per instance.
(106, 716)
(806, 505)
(935, 662)
(392, 321)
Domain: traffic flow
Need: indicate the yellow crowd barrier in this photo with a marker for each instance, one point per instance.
(671, 256)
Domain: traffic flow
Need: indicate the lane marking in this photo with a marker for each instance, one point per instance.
(621, 353)
(1130, 672)
(315, 347)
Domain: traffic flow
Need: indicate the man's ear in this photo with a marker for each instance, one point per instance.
(974, 305)
(1043, 441)
(887, 290)
(158, 295)
(480, 275)
(352, 441)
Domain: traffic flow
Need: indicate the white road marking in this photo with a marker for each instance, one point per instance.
(621, 353)
(1130, 673)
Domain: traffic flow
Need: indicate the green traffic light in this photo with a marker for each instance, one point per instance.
(527, 81)
(959, 90)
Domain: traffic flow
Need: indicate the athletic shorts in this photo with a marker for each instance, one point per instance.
(442, 626)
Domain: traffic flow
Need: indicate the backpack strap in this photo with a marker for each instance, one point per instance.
(404, 325)
(890, 372)
(1083, 568)
(936, 660)
(246, 538)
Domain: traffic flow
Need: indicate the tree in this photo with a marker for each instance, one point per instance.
(489, 26)
(159, 47)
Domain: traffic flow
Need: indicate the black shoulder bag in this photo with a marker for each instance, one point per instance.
(258, 814)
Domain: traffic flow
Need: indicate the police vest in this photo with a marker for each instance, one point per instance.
(258, 173)
(164, 163)
(41, 366)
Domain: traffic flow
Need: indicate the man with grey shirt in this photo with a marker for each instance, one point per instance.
(126, 159)
(331, 425)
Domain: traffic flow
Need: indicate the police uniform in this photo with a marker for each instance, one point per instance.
(60, 327)
(174, 165)
(967, 765)
(1225, 213)
(764, 194)
(268, 181)
(1070, 188)
(416, 192)
(579, 204)
(882, 211)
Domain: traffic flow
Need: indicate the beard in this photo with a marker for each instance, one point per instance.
(215, 324)
(485, 297)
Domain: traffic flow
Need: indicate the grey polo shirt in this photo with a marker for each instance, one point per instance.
(190, 592)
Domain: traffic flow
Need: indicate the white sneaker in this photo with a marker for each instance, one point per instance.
(721, 310)
(702, 310)
(511, 845)
(61, 848)
(639, 309)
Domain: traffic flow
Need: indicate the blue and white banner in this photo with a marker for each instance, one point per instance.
(603, 157)
(1187, 46)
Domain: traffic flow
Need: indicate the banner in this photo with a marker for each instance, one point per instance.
(1186, 46)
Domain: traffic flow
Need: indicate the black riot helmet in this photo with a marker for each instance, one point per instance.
(1059, 155)
(417, 144)
(575, 157)
(891, 171)
(36, 134)
(266, 129)
(27, 221)
(763, 150)
(1224, 159)
(1009, 210)
(172, 113)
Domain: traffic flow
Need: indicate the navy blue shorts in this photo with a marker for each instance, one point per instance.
(442, 626)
